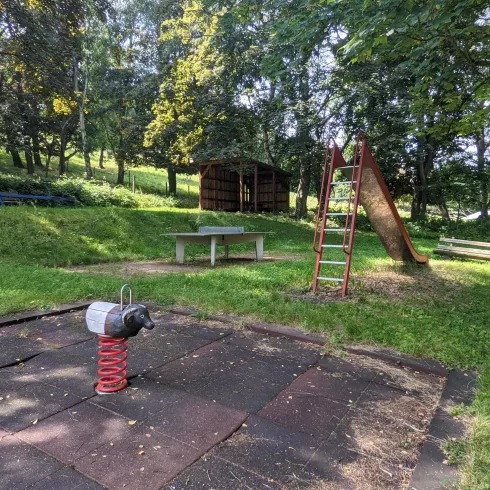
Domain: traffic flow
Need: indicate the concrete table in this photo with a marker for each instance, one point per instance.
(214, 235)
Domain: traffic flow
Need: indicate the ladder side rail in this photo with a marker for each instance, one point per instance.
(320, 198)
(328, 190)
(353, 221)
(353, 177)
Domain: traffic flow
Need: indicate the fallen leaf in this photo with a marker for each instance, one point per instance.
(148, 435)
(132, 422)
(141, 445)
(142, 468)
(35, 422)
(151, 427)
(66, 394)
(141, 452)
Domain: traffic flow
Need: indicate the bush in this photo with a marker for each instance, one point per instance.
(92, 193)
(477, 230)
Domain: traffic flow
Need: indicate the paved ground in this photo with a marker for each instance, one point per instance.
(208, 407)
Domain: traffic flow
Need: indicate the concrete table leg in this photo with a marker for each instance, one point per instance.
(259, 248)
(213, 250)
(227, 251)
(179, 250)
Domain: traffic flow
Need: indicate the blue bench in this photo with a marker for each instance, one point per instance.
(9, 196)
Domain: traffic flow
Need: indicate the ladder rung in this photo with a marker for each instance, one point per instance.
(344, 182)
(339, 198)
(336, 229)
(337, 214)
(332, 246)
(347, 166)
(333, 262)
(335, 279)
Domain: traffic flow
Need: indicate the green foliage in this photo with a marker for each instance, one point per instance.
(91, 193)
(477, 230)
(455, 451)
(475, 472)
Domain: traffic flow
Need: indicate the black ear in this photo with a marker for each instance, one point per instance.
(128, 315)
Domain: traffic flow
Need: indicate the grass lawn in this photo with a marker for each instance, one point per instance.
(439, 312)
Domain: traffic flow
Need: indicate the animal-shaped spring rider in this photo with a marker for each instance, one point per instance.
(113, 324)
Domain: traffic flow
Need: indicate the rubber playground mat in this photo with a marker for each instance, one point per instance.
(213, 406)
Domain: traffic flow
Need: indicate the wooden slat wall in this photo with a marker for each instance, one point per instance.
(220, 191)
(266, 194)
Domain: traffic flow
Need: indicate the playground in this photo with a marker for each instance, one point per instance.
(258, 382)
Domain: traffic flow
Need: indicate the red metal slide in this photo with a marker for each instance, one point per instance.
(381, 211)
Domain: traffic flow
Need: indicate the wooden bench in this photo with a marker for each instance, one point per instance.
(8, 197)
(218, 235)
(463, 248)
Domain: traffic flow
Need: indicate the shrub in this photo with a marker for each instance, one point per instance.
(92, 193)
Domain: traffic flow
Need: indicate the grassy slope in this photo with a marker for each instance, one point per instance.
(148, 179)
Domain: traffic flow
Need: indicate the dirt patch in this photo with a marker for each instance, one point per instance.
(395, 281)
(325, 295)
(196, 266)
(131, 269)
(416, 283)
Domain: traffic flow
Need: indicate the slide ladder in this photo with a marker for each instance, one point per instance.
(366, 187)
(342, 237)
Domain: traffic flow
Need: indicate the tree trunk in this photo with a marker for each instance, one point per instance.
(172, 179)
(28, 155)
(303, 188)
(444, 210)
(415, 210)
(422, 187)
(83, 131)
(35, 150)
(101, 157)
(482, 177)
(120, 171)
(16, 158)
(48, 161)
(62, 165)
(267, 148)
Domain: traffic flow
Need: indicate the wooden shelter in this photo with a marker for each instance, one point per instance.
(243, 185)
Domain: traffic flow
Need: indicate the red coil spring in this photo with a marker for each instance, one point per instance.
(113, 364)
